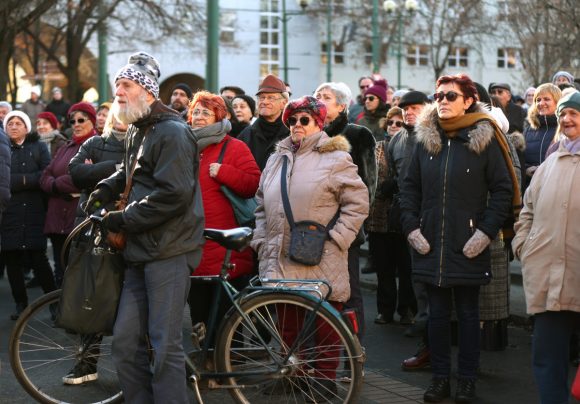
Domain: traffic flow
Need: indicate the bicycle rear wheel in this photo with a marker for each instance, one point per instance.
(285, 350)
(40, 355)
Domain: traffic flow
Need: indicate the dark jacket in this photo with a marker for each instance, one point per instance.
(60, 110)
(400, 150)
(516, 116)
(262, 137)
(362, 149)
(104, 152)
(453, 187)
(538, 139)
(4, 172)
(164, 216)
(55, 143)
(372, 121)
(23, 220)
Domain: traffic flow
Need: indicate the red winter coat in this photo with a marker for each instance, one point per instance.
(241, 174)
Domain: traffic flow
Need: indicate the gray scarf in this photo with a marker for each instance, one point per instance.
(211, 134)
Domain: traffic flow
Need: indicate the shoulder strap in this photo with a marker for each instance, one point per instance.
(222, 152)
(129, 183)
(284, 189)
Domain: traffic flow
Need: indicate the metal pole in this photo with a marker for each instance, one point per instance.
(375, 43)
(103, 83)
(212, 66)
(285, 40)
(399, 50)
(328, 42)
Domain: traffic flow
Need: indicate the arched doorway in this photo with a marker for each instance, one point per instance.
(195, 82)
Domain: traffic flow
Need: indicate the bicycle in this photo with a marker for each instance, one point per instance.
(253, 359)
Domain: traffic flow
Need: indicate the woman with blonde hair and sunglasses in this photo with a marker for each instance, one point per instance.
(457, 194)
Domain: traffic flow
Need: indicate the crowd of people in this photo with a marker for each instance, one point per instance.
(434, 182)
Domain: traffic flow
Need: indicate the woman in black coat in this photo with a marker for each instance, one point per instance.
(23, 240)
(457, 194)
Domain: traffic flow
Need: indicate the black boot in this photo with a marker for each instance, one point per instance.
(465, 391)
(20, 307)
(438, 390)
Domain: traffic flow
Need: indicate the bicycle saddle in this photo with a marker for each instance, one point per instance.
(232, 239)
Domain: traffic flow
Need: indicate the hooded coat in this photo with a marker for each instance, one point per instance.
(23, 220)
(453, 187)
(321, 180)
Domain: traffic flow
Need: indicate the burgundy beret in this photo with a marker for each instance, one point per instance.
(86, 108)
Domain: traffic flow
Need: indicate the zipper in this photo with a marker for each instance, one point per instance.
(471, 226)
(543, 138)
(443, 213)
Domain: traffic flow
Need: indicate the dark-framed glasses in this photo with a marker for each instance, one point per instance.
(75, 121)
(450, 95)
(304, 120)
(398, 124)
(371, 98)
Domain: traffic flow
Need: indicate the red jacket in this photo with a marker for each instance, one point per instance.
(241, 174)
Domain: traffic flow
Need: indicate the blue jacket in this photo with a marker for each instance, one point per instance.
(538, 139)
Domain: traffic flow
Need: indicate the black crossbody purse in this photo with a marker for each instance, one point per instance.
(307, 237)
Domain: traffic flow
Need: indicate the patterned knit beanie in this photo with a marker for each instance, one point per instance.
(306, 104)
(144, 70)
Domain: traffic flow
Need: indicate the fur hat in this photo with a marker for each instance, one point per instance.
(412, 98)
(144, 70)
(561, 73)
(570, 101)
(86, 108)
(249, 100)
(186, 89)
(306, 104)
(271, 84)
(20, 115)
(379, 88)
(50, 117)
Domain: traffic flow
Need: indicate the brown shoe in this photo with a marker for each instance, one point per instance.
(421, 360)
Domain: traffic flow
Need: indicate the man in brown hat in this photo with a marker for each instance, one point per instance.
(263, 135)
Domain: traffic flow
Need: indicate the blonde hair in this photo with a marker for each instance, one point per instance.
(546, 88)
(392, 112)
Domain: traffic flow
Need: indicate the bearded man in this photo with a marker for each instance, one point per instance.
(164, 224)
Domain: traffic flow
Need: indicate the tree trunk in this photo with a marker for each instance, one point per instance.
(6, 51)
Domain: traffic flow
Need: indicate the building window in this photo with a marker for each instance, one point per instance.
(418, 55)
(227, 24)
(508, 58)
(338, 55)
(458, 57)
(270, 37)
(368, 53)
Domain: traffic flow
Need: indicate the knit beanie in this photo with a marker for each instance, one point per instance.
(561, 73)
(306, 104)
(186, 89)
(20, 115)
(569, 101)
(144, 70)
(379, 88)
(249, 100)
(86, 108)
(50, 117)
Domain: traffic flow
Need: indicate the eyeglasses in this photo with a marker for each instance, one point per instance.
(451, 96)
(203, 112)
(371, 98)
(363, 87)
(80, 120)
(268, 98)
(304, 120)
(398, 124)
(14, 124)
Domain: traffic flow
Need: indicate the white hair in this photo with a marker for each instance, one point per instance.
(340, 90)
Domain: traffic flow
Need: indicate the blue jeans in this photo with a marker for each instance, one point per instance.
(550, 354)
(152, 305)
(467, 309)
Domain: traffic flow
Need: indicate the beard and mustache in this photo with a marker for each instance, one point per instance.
(130, 112)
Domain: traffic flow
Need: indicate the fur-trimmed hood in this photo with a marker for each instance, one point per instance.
(429, 132)
(320, 142)
(518, 140)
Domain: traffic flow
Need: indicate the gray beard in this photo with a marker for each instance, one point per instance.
(131, 113)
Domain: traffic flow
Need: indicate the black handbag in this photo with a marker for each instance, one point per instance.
(244, 208)
(307, 237)
(92, 282)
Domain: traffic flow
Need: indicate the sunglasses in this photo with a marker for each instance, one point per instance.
(363, 87)
(451, 96)
(398, 124)
(371, 98)
(304, 120)
(80, 120)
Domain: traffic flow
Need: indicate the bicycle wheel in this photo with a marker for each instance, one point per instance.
(284, 349)
(41, 355)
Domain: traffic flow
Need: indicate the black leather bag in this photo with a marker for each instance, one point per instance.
(307, 237)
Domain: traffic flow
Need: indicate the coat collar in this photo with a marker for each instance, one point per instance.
(319, 142)
(429, 133)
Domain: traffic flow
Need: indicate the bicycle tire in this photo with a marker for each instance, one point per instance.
(300, 379)
(40, 355)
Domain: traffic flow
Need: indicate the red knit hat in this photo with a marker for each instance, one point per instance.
(50, 117)
(379, 88)
(306, 104)
(86, 108)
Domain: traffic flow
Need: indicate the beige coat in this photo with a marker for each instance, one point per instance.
(322, 178)
(547, 237)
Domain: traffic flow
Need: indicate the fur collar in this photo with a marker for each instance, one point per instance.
(320, 142)
(428, 131)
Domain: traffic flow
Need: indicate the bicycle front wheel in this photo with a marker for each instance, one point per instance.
(283, 348)
(40, 355)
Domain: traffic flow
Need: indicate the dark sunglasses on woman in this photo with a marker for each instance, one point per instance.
(371, 98)
(304, 120)
(398, 124)
(80, 120)
(450, 95)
